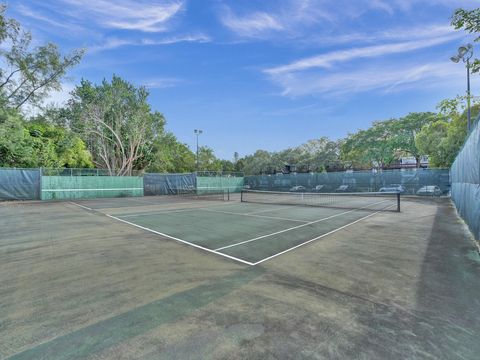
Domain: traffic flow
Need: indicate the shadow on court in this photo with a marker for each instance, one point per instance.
(76, 284)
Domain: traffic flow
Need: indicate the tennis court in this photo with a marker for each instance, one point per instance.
(171, 277)
(251, 228)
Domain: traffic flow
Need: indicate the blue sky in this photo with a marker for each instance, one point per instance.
(262, 74)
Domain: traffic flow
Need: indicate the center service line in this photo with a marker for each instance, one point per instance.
(294, 227)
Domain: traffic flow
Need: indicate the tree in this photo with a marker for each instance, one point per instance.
(58, 147)
(443, 139)
(468, 20)
(29, 74)
(258, 163)
(371, 147)
(16, 149)
(386, 141)
(169, 155)
(226, 165)
(116, 122)
(405, 130)
(318, 154)
(429, 141)
(207, 160)
(38, 144)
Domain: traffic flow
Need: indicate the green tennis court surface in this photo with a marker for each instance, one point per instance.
(248, 232)
(169, 277)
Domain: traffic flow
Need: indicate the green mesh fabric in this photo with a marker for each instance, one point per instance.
(88, 187)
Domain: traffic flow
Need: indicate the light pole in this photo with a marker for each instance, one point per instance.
(197, 132)
(465, 53)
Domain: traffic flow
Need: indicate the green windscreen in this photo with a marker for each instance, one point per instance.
(232, 184)
(88, 187)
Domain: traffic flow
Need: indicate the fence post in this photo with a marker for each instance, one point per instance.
(40, 170)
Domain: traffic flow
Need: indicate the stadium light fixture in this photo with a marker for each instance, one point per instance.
(465, 53)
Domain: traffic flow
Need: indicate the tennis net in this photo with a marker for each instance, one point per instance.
(206, 194)
(374, 201)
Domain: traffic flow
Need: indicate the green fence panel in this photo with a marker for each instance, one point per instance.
(412, 180)
(466, 181)
(19, 184)
(232, 184)
(89, 187)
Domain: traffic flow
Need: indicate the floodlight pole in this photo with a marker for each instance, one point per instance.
(465, 52)
(468, 96)
(197, 132)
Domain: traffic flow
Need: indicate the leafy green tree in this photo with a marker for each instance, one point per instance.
(258, 163)
(16, 148)
(315, 155)
(28, 73)
(207, 160)
(37, 144)
(226, 165)
(116, 122)
(170, 155)
(386, 141)
(58, 147)
(371, 147)
(318, 154)
(443, 139)
(406, 128)
(429, 141)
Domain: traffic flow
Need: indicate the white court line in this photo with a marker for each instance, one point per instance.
(295, 227)
(237, 259)
(173, 210)
(319, 237)
(167, 236)
(84, 207)
(106, 189)
(180, 240)
(161, 212)
(253, 215)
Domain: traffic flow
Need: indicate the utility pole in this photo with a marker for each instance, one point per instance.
(465, 53)
(197, 132)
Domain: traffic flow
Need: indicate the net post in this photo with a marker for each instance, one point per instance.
(241, 195)
(398, 201)
(228, 194)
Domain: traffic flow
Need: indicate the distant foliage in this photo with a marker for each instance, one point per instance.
(37, 144)
(315, 155)
(168, 155)
(443, 139)
(386, 141)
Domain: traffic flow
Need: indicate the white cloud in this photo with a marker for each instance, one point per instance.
(202, 38)
(384, 79)
(113, 43)
(381, 5)
(393, 34)
(408, 5)
(329, 59)
(126, 14)
(162, 83)
(28, 12)
(253, 25)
